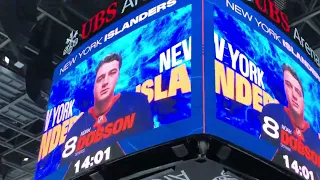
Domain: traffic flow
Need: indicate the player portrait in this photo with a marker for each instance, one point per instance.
(107, 75)
(286, 128)
(292, 115)
(112, 116)
(294, 94)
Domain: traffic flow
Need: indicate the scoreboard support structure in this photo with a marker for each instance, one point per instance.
(186, 158)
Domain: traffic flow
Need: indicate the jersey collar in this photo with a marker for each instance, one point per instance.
(102, 118)
(297, 131)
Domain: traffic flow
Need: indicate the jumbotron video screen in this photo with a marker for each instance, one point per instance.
(121, 90)
(266, 87)
(173, 68)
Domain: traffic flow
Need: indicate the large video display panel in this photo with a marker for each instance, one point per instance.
(127, 89)
(266, 87)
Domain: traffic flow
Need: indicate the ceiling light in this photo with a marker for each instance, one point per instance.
(25, 159)
(6, 59)
(19, 65)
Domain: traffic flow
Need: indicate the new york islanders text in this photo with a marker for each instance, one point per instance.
(175, 61)
(247, 86)
(55, 136)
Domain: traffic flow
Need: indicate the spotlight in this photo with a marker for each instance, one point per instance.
(19, 65)
(6, 60)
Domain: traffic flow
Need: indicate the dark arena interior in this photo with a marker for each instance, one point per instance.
(33, 37)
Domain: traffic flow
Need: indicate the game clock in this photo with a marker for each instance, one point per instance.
(297, 168)
(86, 162)
(89, 161)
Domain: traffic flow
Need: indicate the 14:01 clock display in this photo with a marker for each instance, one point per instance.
(301, 170)
(90, 161)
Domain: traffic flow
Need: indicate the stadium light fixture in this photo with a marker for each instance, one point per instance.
(19, 65)
(6, 60)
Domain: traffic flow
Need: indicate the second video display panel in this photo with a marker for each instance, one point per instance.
(266, 90)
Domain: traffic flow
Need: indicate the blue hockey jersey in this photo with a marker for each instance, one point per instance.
(130, 114)
(278, 128)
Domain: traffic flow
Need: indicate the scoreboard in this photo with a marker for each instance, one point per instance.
(174, 68)
(116, 93)
(266, 89)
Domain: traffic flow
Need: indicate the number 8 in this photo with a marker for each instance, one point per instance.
(270, 127)
(70, 147)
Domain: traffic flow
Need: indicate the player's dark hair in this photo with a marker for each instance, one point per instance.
(109, 58)
(286, 67)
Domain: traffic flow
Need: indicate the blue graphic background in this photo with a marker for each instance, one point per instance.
(140, 50)
(269, 58)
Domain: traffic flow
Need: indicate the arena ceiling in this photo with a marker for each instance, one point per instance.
(48, 23)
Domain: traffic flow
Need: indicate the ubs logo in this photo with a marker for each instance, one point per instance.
(269, 8)
(103, 17)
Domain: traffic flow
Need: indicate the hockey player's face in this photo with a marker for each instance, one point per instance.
(294, 93)
(106, 80)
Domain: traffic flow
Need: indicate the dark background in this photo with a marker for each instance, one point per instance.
(34, 32)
